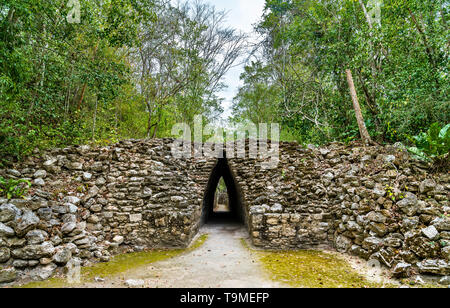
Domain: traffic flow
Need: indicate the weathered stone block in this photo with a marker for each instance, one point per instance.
(7, 275)
(135, 218)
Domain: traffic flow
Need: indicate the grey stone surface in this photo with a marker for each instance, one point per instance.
(40, 174)
(441, 224)
(68, 227)
(35, 237)
(437, 267)
(5, 254)
(9, 212)
(431, 232)
(34, 252)
(62, 255)
(134, 283)
(401, 270)
(39, 182)
(409, 205)
(87, 176)
(7, 275)
(5, 230)
(445, 281)
(136, 195)
(72, 199)
(26, 222)
(343, 244)
(446, 253)
(43, 272)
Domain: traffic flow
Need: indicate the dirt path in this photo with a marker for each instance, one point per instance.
(222, 262)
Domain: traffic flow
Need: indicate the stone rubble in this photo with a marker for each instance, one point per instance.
(90, 203)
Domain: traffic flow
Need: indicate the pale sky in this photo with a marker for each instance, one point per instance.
(242, 15)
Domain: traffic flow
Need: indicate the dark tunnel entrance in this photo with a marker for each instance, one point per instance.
(233, 211)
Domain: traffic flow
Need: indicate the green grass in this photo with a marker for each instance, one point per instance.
(316, 269)
(118, 265)
(311, 269)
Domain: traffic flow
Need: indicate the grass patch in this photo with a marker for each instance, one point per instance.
(311, 269)
(245, 244)
(118, 265)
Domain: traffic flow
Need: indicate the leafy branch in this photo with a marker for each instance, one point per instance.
(11, 188)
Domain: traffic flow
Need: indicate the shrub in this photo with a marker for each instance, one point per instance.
(433, 144)
(11, 188)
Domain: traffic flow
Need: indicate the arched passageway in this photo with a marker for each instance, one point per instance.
(235, 211)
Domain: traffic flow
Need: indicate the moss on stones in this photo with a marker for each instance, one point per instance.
(311, 269)
(118, 265)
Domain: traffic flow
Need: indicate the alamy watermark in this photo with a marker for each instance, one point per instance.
(232, 143)
(74, 15)
(375, 11)
(375, 271)
(74, 271)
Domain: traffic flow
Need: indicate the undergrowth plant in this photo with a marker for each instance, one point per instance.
(11, 188)
(435, 143)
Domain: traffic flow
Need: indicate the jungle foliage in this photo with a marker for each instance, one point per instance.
(134, 68)
(13, 188)
(128, 69)
(432, 144)
(400, 63)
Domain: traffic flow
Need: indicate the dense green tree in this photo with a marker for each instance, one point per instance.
(115, 69)
(134, 68)
(181, 62)
(259, 93)
(399, 62)
(56, 73)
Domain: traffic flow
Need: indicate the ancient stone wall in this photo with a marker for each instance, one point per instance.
(89, 203)
(286, 205)
(375, 202)
(86, 203)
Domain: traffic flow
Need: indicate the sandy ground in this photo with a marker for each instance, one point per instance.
(372, 271)
(221, 208)
(222, 262)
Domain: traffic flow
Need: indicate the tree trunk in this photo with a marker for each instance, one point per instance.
(11, 13)
(95, 119)
(80, 101)
(428, 49)
(366, 14)
(43, 58)
(155, 131)
(422, 34)
(359, 117)
(81, 96)
(149, 122)
(67, 99)
(156, 126)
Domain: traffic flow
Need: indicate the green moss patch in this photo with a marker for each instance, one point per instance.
(118, 265)
(311, 269)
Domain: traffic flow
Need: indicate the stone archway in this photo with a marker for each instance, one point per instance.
(141, 197)
(236, 212)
